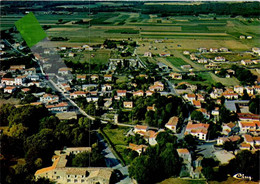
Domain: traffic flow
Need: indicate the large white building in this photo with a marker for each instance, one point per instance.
(60, 173)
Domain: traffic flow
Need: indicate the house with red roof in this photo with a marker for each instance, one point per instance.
(108, 77)
(227, 128)
(222, 140)
(49, 98)
(172, 123)
(199, 130)
(140, 128)
(9, 89)
(60, 107)
(8, 81)
(248, 139)
(77, 94)
(138, 148)
(196, 103)
(121, 93)
(138, 93)
(249, 126)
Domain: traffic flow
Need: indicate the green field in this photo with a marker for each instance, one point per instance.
(177, 62)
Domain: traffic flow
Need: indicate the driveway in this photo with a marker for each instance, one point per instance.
(113, 162)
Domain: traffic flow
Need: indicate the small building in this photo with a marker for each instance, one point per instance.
(242, 37)
(164, 54)
(247, 62)
(172, 123)
(177, 76)
(202, 50)
(147, 54)
(223, 49)
(140, 128)
(121, 93)
(249, 126)
(158, 86)
(199, 130)
(138, 148)
(184, 154)
(77, 94)
(71, 54)
(9, 89)
(222, 140)
(220, 59)
(128, 105)
(60, 107)
(94, 77)
(193, 57)
(203, 61)
(8, 81)
(256, 50)
(149, 93)
(227, 128)
(248, 139)
(64, 71)
(20, 80)
(49, 98)
(186, 52)
(138, 93)
(108, 77)
(151, 108)
(196, 103)
(213, 50)
(81, 77)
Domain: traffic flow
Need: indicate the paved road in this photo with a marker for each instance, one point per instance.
(113, 162)
(207, 149)
(171, 86)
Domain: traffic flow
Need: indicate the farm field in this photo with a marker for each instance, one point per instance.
(210, 78)
(188, 31)
(97, 57)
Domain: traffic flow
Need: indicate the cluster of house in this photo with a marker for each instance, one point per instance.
(60, 172)
(20, 78)
(246, 130)
(213, 63)
(234, 92)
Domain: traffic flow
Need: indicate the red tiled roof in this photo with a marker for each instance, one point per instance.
(248, 138)
(183, 151)
(141, 127)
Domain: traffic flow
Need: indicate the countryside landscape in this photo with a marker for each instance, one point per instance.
(130, 92)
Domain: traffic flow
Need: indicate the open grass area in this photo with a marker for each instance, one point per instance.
(231, 56)
(177, 62)
(121, 79)
(117, 135)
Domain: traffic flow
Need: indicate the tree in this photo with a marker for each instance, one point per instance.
(230, 146)
(164, 137)
(197, 115)
(245, 95)
(17, 131)
(91, 109)
(254, 105)
(246, 163)
(170, 161)
(81, 160)
(139, 169)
